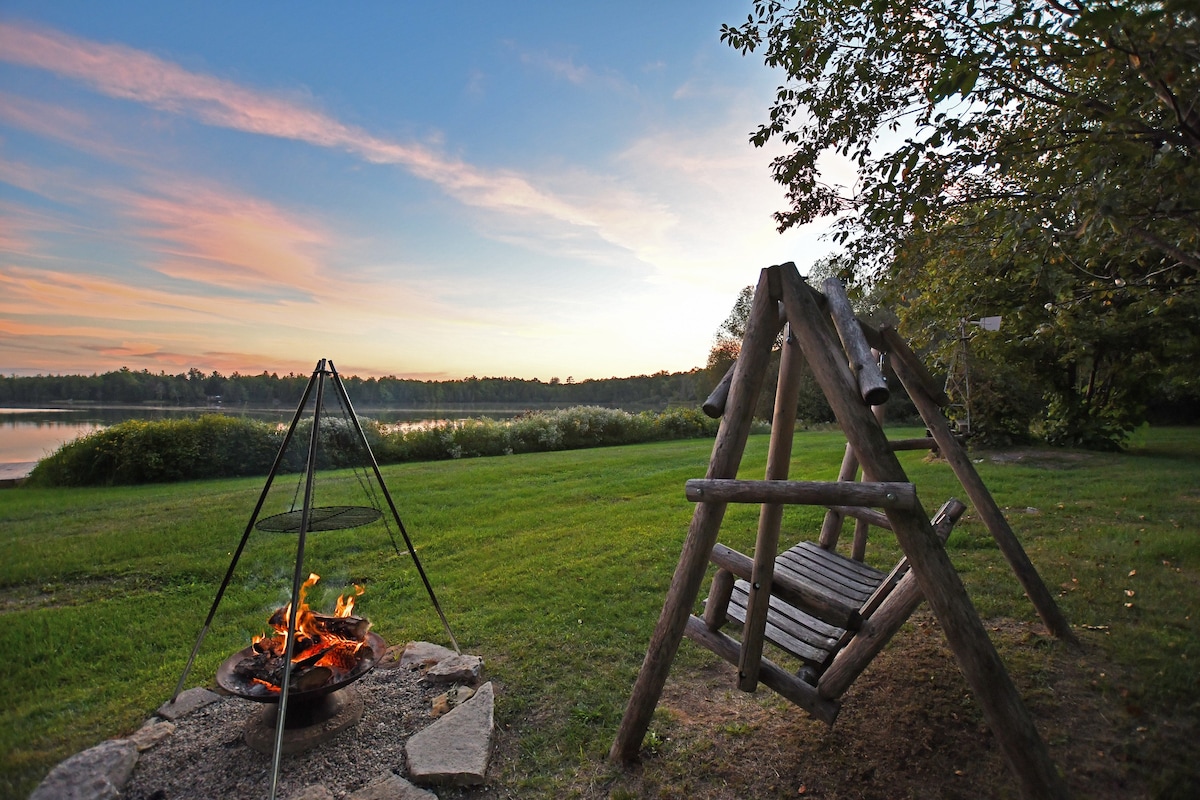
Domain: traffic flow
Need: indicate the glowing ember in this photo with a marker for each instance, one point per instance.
(326, 645)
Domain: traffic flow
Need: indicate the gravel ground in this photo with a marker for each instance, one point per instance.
(206, 757)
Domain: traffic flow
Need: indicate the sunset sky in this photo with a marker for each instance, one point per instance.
(524, 189)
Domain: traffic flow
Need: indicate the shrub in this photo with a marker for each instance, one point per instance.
(140, 451)
(215, 445)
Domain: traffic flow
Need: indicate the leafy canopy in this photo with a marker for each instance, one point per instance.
(1033, 158)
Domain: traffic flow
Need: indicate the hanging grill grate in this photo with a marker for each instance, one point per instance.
(322, 518)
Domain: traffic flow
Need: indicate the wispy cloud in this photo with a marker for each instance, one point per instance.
(564, 68)
(126, 73)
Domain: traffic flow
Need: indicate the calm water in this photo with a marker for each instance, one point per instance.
(30, 434)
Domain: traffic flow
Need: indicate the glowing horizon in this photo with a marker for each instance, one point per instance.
(568, 199)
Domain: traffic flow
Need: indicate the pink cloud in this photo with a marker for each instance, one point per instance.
(123, 72)
(229, 240)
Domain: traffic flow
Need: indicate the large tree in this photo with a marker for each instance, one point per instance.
(1036, 159)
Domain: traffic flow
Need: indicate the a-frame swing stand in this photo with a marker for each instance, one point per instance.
(833, 612)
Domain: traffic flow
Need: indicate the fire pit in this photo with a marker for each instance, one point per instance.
(330, 652)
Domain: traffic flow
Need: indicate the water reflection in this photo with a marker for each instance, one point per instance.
(30, 434)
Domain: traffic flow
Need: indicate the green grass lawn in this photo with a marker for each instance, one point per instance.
(551, 566)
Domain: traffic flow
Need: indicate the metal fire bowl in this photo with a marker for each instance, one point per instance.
(230, 681)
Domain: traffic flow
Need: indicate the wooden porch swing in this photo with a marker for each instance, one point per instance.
(831, 611)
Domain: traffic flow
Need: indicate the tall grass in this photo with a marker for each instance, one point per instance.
(553, 567)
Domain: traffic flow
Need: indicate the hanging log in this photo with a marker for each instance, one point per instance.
(714, 406)
(871, 383)
(718, 599)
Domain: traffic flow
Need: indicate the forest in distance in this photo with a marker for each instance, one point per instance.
(197, 388)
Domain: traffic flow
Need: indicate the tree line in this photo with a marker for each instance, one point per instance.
(197, 388)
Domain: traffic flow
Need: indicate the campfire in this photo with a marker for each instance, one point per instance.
(329, 652)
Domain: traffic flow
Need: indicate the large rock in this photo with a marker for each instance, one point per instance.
(455, 749)
(456, 669)
(390, 786)
(98, 773)
(422, 655)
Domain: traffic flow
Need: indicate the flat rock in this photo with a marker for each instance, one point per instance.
(390, 786)
(419, 655)
(187, 702)
(150, 734)
(456, 668)
(98, 773)
(314, 792)
(455, 749)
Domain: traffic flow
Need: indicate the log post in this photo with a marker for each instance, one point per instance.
(831, 526)
(985, 505)
(717, 605)
(748, 377)
(862, 526)
(779, 457)
(1023, 748)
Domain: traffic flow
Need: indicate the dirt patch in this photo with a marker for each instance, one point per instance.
(1040, 458)
(909, 727)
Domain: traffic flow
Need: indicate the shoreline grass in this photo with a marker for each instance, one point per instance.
(553, 567)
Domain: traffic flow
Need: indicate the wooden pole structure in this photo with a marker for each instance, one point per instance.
(905, 363)
(1022, 747)
(766, 547)
(862, 526)
(748, 377)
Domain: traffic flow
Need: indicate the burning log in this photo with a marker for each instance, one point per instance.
(326, 646)
(353, 629)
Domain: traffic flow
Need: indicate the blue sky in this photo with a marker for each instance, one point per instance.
(519, 189)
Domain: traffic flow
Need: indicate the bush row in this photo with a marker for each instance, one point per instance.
(217, 446)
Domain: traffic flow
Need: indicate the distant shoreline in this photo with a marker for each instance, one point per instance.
(12, 473)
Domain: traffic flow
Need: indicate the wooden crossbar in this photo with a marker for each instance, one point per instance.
(883, 494)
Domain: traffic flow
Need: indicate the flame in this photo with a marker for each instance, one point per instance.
(317, 642)
(345, 605)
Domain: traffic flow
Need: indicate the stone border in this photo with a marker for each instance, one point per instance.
(454, 750)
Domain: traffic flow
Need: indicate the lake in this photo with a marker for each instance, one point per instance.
(30, 434)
